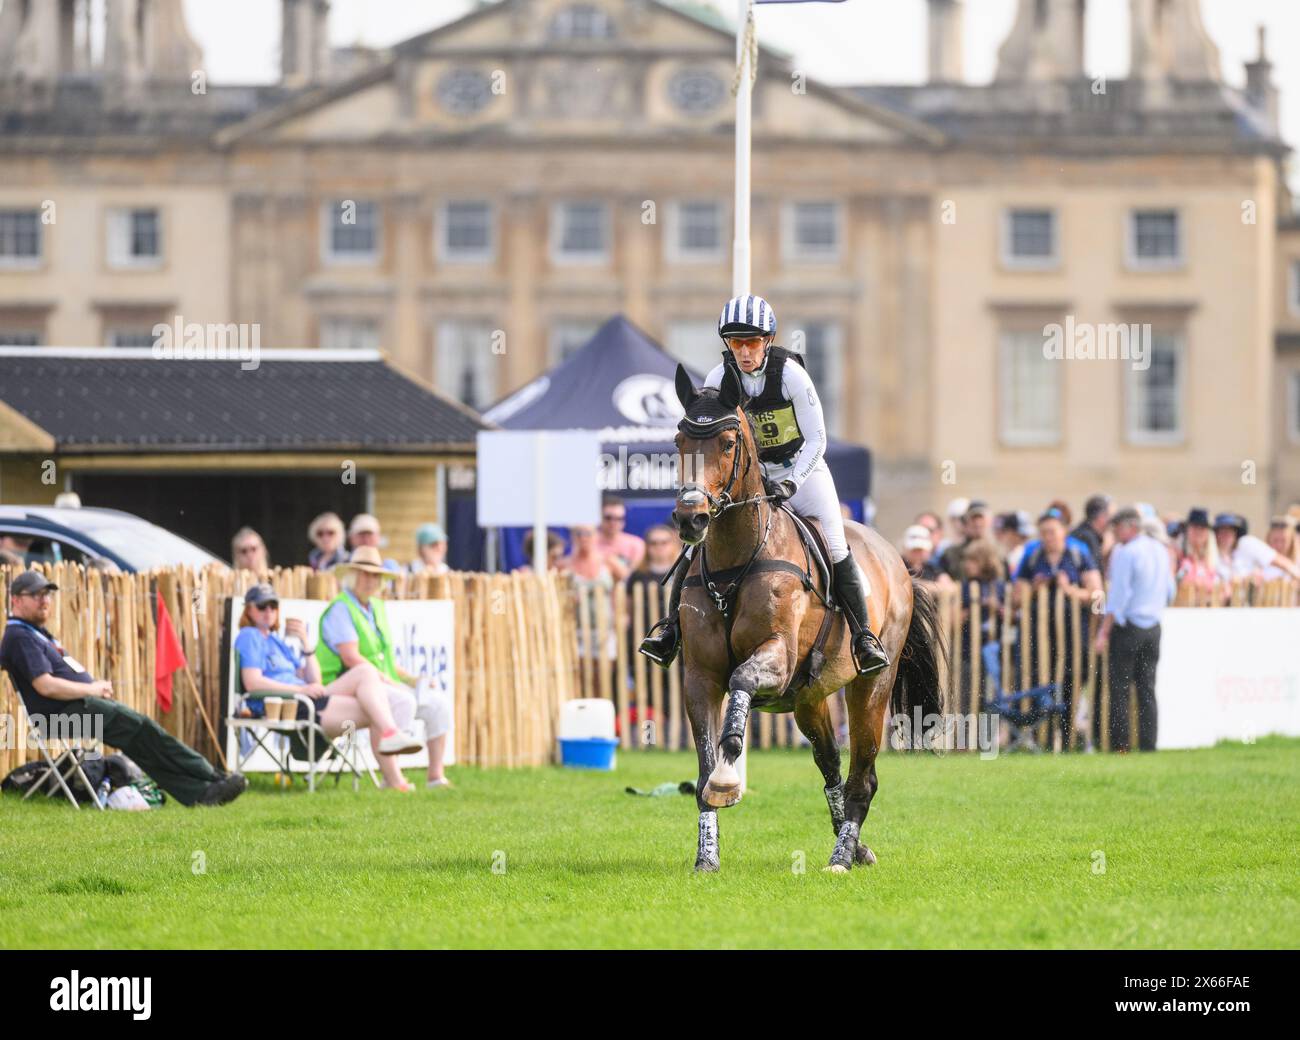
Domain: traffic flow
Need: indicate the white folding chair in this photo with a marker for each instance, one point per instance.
(60, 769)
(339, 755)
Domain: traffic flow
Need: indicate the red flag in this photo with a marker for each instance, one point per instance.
(168, 656)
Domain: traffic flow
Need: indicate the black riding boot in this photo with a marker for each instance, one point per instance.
(665, 638)
(868, 654)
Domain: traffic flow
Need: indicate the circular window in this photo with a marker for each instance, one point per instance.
(696, 90)
(465, 91)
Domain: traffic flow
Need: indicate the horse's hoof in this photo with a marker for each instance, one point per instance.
(835, 868)
(707, 866)
(865, 856)
(721, 796)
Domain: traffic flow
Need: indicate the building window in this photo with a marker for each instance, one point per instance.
(467, 232)
(1293, 406)
(134, 238)
(1029, 238)
(695, 344)
(570, 335)
(1154, 398)
(1294, 293)
(819, 343)
(351, 229)
(465, 365)
(1154, 238)
(812, 231)
(1030, 391)
(580, 232)
(344, 333)
(20, 237)
(129, 336)
(581, 22)
(695, 234)
(20, 338)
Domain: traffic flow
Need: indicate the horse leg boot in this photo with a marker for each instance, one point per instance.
(665, 638)
(868, 655)
(765, 669)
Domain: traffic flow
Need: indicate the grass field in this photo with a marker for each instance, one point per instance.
(1200, 850)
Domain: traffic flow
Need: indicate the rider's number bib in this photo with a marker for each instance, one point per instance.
(776, 427)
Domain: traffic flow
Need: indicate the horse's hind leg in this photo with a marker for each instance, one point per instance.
(814, 721)
(867, 700)
(704, 709)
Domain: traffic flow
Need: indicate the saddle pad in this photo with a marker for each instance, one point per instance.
(812, 540)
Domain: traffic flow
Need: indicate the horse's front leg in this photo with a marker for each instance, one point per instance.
(704, 709)
(767, 669)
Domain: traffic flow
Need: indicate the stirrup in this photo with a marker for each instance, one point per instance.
(868, 665)
(652, 645)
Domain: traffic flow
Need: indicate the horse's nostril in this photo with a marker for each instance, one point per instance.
(699, 521)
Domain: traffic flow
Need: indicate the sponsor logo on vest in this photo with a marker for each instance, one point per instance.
(97, 994)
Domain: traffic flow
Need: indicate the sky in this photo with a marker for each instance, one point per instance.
(860, 41)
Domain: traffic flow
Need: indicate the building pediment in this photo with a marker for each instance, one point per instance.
(526, 70)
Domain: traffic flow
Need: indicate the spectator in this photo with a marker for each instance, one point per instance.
(354, 633)
(956, 526)
(586, 562)
(623, 552)
(1141, 586)
(269, 664)
(975, 524)
(917, 548)
(554, 552)
(431, 550)
(1242, 555)
(662, 550)
(931, 522)
(1198, 560)
(55, 687)
(1063, 508)
(1096, 522)
(1056, 561)
(364, 531)
(10, 559)
(248, 551)
(1013, 533)
(326, 535)
(982, 582)
(1282, 539)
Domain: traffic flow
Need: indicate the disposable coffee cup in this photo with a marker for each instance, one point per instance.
(272, 705)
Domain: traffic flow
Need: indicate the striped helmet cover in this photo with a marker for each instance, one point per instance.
(747, 314)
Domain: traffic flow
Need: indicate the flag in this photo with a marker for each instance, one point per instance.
(168, 656)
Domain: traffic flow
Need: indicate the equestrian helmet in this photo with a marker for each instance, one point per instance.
(747, 316)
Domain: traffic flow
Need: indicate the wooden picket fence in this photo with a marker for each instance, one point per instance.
(516, 654)
(648, 700)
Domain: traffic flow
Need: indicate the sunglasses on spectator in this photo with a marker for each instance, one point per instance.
(42, 594)
(659, 541)
(620, 517)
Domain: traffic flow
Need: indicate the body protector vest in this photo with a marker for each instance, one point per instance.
(775, 426)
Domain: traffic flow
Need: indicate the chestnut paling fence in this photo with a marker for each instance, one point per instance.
(527, 643)
(516, 652)
(1040, 636)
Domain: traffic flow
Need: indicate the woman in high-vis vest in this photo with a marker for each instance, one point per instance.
(791, 433)
(354, 632)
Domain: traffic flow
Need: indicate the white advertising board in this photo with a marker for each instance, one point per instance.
(523, 472)
(1227, 674)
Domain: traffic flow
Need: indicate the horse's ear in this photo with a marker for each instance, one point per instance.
(730, 393)
(686, 392)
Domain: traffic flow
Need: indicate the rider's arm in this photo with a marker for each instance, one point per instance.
(798, 389)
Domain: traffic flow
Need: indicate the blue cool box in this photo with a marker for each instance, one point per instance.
(588, 753)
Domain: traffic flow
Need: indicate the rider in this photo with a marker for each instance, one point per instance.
(791, 434)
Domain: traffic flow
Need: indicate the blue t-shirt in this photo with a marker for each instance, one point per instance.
(276, 659)
(1075, 562)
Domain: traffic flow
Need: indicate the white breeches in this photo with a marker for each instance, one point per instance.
(817, 500)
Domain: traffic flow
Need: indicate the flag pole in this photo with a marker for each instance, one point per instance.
(746, 50)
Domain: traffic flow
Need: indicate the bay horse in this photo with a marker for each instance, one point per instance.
(749, 638)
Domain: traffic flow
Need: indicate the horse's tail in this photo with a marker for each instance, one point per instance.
(917, 684)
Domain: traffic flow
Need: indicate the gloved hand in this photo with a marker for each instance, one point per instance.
(781, 490)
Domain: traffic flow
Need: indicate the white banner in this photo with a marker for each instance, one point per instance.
(422, 631)
(1227, 674)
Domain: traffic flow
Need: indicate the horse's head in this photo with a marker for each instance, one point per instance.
(716, 451)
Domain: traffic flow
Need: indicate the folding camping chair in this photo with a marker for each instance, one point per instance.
(304, 740)
(1021, 719)
(59, 770)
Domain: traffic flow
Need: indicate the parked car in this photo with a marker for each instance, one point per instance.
(51, 534)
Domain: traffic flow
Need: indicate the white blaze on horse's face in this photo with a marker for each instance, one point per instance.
(706, 467)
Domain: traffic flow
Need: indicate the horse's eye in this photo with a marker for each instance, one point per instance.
(726, 448)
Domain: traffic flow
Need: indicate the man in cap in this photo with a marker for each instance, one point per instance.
(975, 524)
(1141, 585)
(364, 530)
(57, 689)
(430, 550)
(1092, 529)
(917, 548)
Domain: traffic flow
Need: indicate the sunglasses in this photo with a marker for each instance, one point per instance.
(615, 516)
(273, 605)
